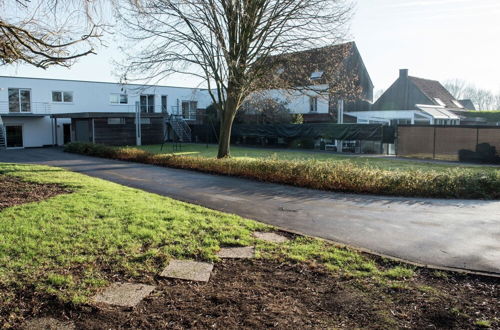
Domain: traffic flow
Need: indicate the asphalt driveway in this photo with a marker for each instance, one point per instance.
(459, 234)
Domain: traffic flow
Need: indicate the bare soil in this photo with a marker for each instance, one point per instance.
(255, 294)
(14, 191)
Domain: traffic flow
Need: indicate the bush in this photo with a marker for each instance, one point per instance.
(341, 176)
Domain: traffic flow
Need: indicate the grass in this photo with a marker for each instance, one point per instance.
(70, 245)
(341, 176)
(249, 153)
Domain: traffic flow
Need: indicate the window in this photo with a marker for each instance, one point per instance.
(118, 99)
(189, 109)
(62, 97)
(19, 100)
(313, 104)
(164, 104)
(147, 103)
(116, 121)
(316, 75)
(439, 101)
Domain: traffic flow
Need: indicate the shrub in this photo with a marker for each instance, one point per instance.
(341, 176)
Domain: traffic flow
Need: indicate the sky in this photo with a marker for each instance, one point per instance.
(434, 39)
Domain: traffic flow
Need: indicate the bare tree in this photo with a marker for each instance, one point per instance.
(457, 88)
(226, 42)
(48, 32)
(483, 99)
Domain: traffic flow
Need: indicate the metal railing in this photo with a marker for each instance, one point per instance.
(39, 108)
(180, 127)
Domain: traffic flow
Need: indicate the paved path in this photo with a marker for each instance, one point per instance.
(445, 233)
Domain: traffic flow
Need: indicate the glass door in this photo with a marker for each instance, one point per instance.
(147, 102)
(14, 136)
(19, 100)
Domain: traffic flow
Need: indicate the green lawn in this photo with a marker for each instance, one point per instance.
(70, 245)
(201, 150)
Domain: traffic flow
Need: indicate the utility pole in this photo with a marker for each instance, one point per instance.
(138, 139)
(340, 120)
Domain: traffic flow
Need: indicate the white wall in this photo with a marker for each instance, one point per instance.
(37, 131)
(298, 101)
(95, 96)
(87, 97)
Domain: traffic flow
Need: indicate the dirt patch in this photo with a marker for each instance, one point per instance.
(14, 191)
(254, 294)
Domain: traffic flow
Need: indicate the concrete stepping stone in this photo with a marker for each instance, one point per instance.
(188, 270)
(270, 237)
(246, 252)
(123, 294)
(48, 323)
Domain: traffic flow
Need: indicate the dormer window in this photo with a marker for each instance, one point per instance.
(316, 75)
(439, 101)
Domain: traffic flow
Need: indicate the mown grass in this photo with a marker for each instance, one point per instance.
(341, 176)
(249, 153)
(70, 245)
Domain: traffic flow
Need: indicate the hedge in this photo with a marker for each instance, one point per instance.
(338, 176)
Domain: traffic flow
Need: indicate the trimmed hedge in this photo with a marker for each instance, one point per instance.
(339, 176)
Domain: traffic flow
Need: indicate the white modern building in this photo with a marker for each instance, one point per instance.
(38, 112)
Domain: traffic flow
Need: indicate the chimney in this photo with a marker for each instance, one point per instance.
(403, 73)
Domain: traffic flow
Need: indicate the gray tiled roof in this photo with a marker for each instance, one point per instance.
(433, 89)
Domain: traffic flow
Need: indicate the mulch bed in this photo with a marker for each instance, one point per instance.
(255, 294)
(14, 191)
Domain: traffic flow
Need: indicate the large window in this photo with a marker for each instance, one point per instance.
(148, 103)
(19, 100)
(62, 97)
(118, 99)
(313, 104)
(189, 109)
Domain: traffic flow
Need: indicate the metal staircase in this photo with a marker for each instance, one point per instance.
(3, 135)
(180, 128)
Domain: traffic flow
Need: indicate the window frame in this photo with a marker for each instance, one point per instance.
(313, 104)
(62, 93)
(120, 95)
(19, 104)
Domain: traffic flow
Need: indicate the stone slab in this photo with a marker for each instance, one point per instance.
(48, 323)
(237, 252)
(188, 270)
(123, 294)
(270, 237)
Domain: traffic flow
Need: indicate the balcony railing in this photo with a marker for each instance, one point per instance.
(46, 108)
(38, 108)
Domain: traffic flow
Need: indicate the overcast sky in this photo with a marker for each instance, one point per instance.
(434, 39)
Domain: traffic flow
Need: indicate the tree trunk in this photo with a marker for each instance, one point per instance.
(226, 125)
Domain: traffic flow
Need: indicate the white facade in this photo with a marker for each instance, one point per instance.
(309, 100)
(37, 99)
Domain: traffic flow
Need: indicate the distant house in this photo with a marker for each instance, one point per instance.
(407, 93)
(318, 78)
(412, 100)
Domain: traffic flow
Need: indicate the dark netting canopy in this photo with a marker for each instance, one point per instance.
(368, 132)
